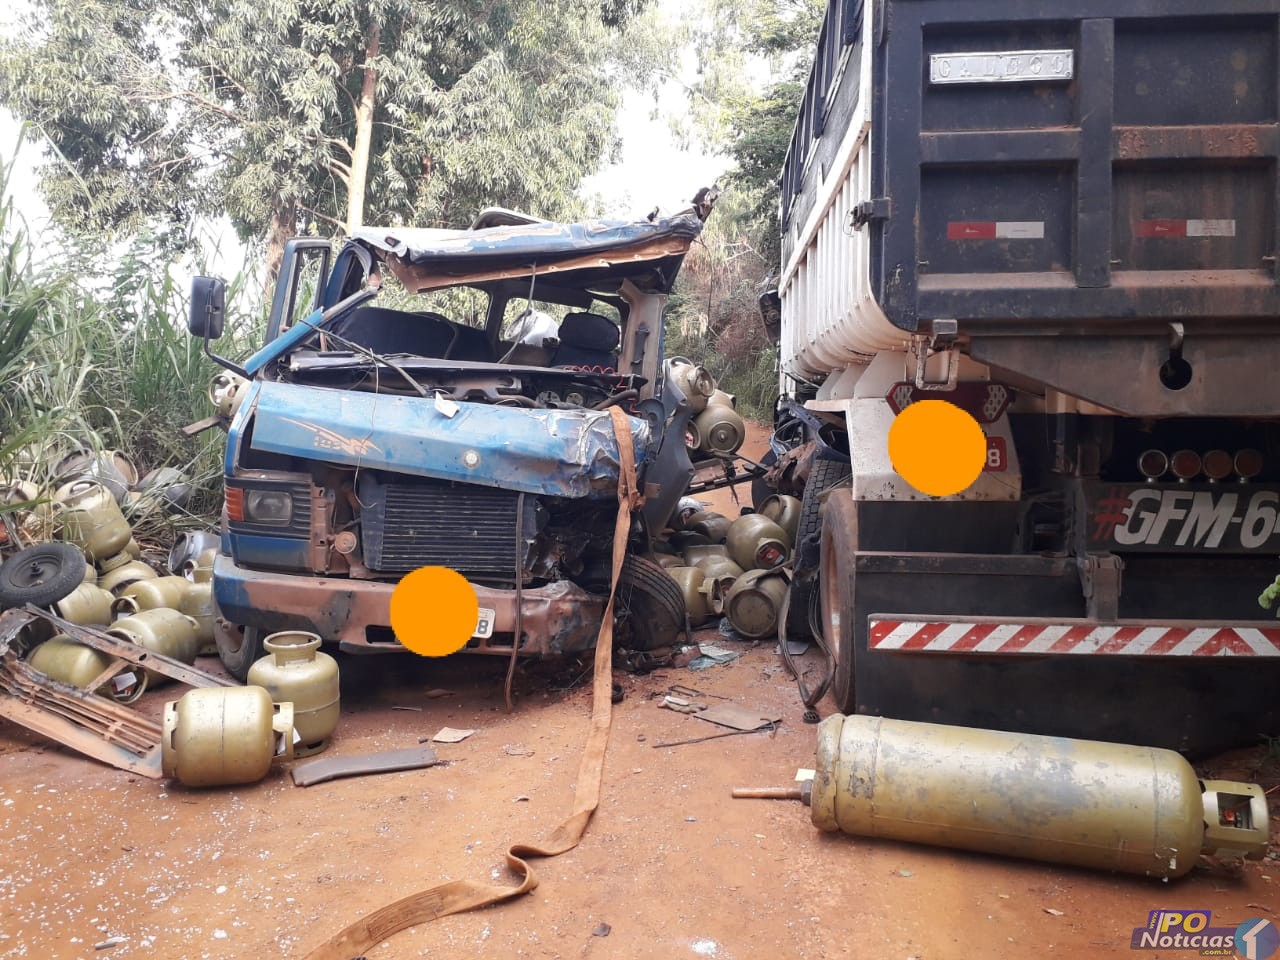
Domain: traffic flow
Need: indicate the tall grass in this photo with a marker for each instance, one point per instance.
(94, 352)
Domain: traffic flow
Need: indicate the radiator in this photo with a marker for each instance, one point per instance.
(411, 523)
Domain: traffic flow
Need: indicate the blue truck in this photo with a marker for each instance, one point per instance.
(442, 398)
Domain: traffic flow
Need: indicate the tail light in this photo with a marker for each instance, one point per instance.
(1186, 465)
(1218, 464)
(1153, 464)
(1248, 464)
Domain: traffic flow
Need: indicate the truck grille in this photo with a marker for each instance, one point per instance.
(435, 523)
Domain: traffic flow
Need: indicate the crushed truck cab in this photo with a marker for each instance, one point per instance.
(442, 398)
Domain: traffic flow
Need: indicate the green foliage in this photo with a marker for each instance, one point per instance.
(714, 316)
(251, 107)
(103, 360)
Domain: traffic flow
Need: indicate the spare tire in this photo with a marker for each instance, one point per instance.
(41, 575)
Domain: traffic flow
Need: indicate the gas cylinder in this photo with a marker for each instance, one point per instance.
(197, 603)
(686, 508)
(682, 540)
(295, 670)
(714, 526)
(720, 428)
(227, 392)
(190, 545)
(150, 594)
(668, 560)
(694, 382)
(701, 598)
(86, 605)
(723, 571)
(132, 550)
(753, 603)
(216, 736)
(1111, 806)
(200, 569)
(63, 659)
(90, 573)
(161, 631)
(785, 512)
(718, 396)
(697, 554)
(87, 515)
(119, 577)
(756, 542)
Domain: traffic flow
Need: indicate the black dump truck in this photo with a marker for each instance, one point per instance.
(1063, 219)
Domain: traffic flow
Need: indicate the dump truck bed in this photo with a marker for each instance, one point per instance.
(1093, 165)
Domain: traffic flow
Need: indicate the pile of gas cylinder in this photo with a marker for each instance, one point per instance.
(735, 568)
(212, 735)
(716, 427)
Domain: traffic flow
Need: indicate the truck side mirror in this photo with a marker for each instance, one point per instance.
(206, 312)
(771, 314)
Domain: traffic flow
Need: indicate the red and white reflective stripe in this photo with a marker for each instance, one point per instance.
(1184, 228)
(932, 636)
(995, 230)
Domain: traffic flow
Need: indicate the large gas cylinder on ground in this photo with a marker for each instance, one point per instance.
(295, 671)
(216, 736)
(1111, 806)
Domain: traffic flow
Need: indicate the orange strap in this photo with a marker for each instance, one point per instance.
(458, 896)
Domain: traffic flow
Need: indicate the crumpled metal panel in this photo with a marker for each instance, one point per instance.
(543, 242)
(560, 453)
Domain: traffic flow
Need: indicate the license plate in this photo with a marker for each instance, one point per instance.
(1013, 66)
(484, 626)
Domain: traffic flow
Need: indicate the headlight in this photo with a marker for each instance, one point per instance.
(268, 506)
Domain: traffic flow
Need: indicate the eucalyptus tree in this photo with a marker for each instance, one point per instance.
(298, 114)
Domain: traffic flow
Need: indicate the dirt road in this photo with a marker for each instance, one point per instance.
(672, 864)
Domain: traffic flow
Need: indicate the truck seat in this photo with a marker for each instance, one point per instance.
(424, 334)
(587, 340)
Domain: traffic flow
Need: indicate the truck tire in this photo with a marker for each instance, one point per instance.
(649, 609)
(823, 475)
(836, 573)
(41, 575)
(238, 647)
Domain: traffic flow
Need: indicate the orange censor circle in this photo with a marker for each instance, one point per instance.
(434, 611)
(937, 448)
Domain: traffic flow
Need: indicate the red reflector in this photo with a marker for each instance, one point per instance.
(1160, 228)
(1218, 464)
(235, 503)
(1248, 464)
(985, 402)
(1185, 464)
(1153, 464)
(960, 230)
